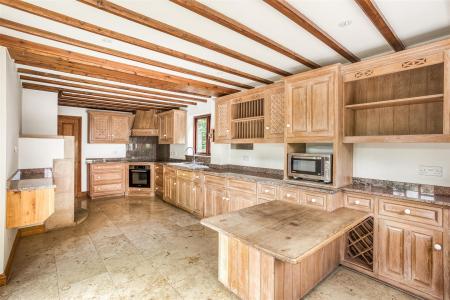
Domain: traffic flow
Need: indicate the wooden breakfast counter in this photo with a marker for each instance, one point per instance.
(279, 250)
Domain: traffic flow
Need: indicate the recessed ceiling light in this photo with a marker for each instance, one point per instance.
(345, 23)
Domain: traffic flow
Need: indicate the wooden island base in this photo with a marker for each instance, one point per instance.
(253, 274)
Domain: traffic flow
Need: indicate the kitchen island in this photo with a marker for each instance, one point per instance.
(279, 250)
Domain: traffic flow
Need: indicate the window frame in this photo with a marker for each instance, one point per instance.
(208, 129)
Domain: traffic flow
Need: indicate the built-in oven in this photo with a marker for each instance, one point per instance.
(139, 176)
(310, 166)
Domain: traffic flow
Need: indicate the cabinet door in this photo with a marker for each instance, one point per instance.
(169, 128)
(173, 189)
(239, 199)
(274, 114)
(197, 199)
(392, 252)
(223, 121)
(162, 128)
(216, 201)
(99, 128)
(320, 106)
(296, 109)
(120, 129)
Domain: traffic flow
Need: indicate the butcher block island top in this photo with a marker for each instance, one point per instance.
(286, 231)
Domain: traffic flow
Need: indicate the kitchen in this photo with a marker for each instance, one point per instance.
(133, 170)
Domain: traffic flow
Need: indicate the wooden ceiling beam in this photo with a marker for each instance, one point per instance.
(376, 16)
(57, 17)
(154, 94)
(163, 79)
(240, 28)
(78, 43)
(38, 87)
(92, 106)
(93, 88)
(107, 98)
(86, 100)
(136, 17)
(297, 17)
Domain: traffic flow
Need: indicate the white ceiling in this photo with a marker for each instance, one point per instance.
(414, 21)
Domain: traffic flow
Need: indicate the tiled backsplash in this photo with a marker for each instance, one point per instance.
(148, 147)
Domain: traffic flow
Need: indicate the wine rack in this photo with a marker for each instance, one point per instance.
(247, 117)
(359, 244)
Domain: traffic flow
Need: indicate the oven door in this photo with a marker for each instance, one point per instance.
(306, 167)
(139, 178)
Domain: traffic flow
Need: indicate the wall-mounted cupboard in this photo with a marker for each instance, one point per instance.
(403, 97)
(109, 128)
(172, 127)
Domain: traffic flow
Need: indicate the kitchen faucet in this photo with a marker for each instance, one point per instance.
(193, 153)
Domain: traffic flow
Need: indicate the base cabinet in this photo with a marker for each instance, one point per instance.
(216, 201)
(106, 179)
(412, 256)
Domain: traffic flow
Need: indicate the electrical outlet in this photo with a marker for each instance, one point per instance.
(434, 171)
(245, 158)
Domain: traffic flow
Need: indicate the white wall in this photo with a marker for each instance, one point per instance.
(91, 150)
(401, 162)
(10, 119)
(40, 152)
(39, 113)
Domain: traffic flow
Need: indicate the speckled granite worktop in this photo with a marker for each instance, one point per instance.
(432, 194)
(31, 179)
(127, 159)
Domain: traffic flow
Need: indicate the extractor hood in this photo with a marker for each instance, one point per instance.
(145, 123)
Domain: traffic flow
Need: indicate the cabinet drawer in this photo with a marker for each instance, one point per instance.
(107, 167)
(188, 175)
(290, 194)
(314, 199)
(242, 185)
(267, 191)
(216, 180)
(359, 202)
(116, 176)
(109, 188)
(410, 212)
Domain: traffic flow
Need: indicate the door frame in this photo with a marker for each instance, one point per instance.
(78, 121)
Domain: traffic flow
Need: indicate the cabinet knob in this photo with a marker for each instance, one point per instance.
(437, 247)
(288, 125)
(193, 189)
(288, 195)
(267, 127)
(407, 211)
(165, 135)
(174, 183)
(356, 202)
(228, 130)
(313, 200)
(197, 177)
(266, 191)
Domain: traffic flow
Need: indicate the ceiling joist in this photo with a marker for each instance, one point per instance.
(240, 28)
(179, 33)
(374, 14)
(297, 17)
(112, 103)
(93, 88)
(93, 106)
(57, 17)
(78, 43)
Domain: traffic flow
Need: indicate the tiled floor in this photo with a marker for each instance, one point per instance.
(142, 249)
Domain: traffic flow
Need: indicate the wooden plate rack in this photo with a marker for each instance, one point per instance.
(247, 120)
(359, 244)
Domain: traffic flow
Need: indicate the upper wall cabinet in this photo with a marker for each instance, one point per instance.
(109, 128)
(312, 100)
(255, 116)
(172, 127)
(402, 97)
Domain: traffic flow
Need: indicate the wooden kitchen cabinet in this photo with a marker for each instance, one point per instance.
(311, 103)
(412, 256)
(172, 127)
(223, 121)
(197, 199)
(274, 111)
(106, 179)
(170, 185)
(159, 180)
(216, 196)
(109, 128)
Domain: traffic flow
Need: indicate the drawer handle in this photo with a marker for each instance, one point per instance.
(407, 211)
(193, 189)
(98, 177)
(267, 127)
(266, 191)
(197, 177)
(228, 130)
(437, 247)
(313, 200)
(288, 195)
(225, 198)
(175, 183)
(356, 202)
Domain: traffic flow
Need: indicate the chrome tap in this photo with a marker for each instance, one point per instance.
(193, 153)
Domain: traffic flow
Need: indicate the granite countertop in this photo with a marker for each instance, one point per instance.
(285, 230)
(31, 179)
(432, 194)
(128, 159)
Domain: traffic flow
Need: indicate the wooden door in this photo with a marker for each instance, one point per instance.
(274, 114)
(392, 251)
(320, 106)
(71, 126)
(223, 121)
(426, 262)
(120, 128)
(239, 199)
(216, 201)
(99, 128)
(296, 109)
(197, 199)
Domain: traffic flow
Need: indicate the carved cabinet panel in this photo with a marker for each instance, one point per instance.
(109, 128)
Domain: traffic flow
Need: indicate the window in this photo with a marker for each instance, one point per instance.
(201, 134)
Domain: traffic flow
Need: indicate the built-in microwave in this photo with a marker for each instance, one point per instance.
(311, 166)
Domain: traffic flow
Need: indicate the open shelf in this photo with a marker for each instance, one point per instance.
(359, 244)
(397, 102)
(248, 119)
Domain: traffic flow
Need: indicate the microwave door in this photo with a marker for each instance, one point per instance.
(306, 166)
